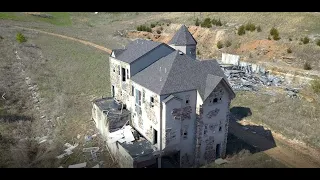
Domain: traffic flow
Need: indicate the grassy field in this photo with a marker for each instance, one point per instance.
(58, 18)
(242, 155)
(294, 118)
(68, 75)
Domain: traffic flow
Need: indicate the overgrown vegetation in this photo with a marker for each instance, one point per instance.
(144, 28)
(216, 22)
(228, 43)
(315, 84)
(289, 50)
(206, 23)
(274, 33)
(305, 40)
(21, 38)
(250, 27)
(219, 45)
(307, 66)
(259, 29)
(241, 30)
(197, 23)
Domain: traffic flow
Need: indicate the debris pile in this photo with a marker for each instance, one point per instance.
(242, 78)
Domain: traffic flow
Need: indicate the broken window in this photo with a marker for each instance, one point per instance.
(132, 90)
(187, 99)
(138, 97)
(128, 74)
(151, 101)
(123, 74)
(143, 95)
(185, 132)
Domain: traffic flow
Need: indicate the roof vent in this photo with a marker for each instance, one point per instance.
(181, 53)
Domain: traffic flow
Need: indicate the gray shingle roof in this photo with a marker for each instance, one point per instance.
(117, 52)
(136, 49)
(183, 37)
(178, 72)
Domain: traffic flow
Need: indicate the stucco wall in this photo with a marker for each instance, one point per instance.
(214, 125)
(150, 116)
(179, 134)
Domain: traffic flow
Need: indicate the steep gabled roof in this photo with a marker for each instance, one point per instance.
(183, 37)
(178, 72)
(136, 49)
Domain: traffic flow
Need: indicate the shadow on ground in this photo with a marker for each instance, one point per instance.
(246, 138)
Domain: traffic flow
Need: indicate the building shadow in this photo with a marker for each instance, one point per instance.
(9, 118)
(246, 138)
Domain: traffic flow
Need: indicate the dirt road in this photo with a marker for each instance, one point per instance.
(289, 157)
(70, 38)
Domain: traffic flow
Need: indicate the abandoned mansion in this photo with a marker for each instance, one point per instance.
(167, 108)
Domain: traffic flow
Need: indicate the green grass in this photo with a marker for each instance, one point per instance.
(59, 18)
(294, 118)
(257, 160)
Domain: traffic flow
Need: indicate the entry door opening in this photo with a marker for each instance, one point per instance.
(218, 151)
(155, 136)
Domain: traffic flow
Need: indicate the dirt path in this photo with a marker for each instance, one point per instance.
(289, 157)
(70, 38)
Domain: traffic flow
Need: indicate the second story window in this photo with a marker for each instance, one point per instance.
(151, 101)
(128, 74)
(123, 74)
(138, 97)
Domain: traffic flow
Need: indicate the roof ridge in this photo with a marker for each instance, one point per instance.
(169, 72)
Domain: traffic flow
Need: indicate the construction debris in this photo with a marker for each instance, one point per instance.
(80, 165)
(64, 154)
(70, 147)
(243, 78)
(220, 161)
(91, 149)
(96, 166)
(122, 135)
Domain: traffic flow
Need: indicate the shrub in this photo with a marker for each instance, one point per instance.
(276, 37)
(206, 23)
(274, 31)
(1, 37)
(219, 45)
(144, 28)
(152, 25)
(198, 52)
(158, 31)
(305, 40)
(228, 43)
(20, 38)
(250, 27)
(259, 29)
(315, 85)
(161, 28)
(269, 38)
(289, 50)
(197, 23)
(307, 66)
(318, 42)
(290, 39)
(241, 30)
